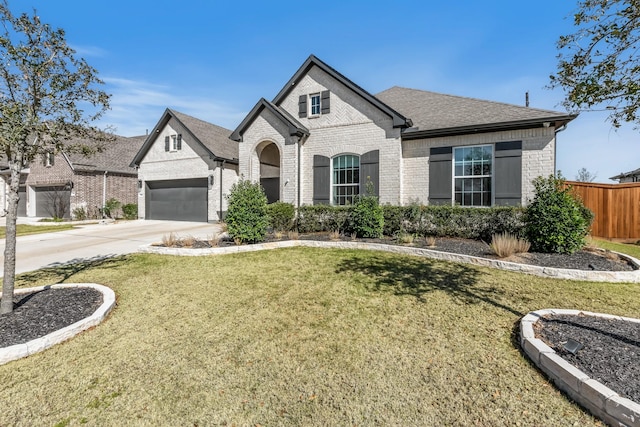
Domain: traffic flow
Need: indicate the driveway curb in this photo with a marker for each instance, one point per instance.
(600, 400)
(556, 273)
(18, 351)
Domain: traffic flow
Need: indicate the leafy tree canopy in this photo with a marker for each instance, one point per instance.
(599, 64)
(585, 175)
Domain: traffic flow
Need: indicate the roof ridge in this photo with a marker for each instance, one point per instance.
(180, 113)
(472, 99)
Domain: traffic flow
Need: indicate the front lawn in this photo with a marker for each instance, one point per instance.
(625, 248)
(26, 229)
(302, 336)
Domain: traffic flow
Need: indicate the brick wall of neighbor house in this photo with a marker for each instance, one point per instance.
(538, 147)
(186, 163)
(88, 189)
(353, 126)
(41, 175)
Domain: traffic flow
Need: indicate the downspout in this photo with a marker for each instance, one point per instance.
(221, 170)
(555, 147)
(298, 177)
(104, 192)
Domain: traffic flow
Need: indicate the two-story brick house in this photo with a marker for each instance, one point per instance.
(54, 185)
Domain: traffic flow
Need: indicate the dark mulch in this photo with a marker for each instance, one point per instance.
(611, 352)
(588, 259)
(40, 313)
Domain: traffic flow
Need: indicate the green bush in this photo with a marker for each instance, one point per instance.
(79, 213)
(367, 217)
(111, 208)
(281, 216)
(247, 217)
(556, 221)
(324, 218)
(130, 211)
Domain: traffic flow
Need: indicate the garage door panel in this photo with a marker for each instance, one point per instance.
(177, 200)
(53, 201)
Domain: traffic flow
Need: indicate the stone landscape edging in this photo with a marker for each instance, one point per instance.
(600, 400)
(18, 351)
(557, 273)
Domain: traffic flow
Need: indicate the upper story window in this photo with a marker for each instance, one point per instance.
(472, 175)
(173, 142)
(346, 179)
(315, 104)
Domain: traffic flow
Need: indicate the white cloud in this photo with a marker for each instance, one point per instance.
(92, 51)
(136, 106)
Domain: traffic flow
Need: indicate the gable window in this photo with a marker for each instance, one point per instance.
(472, 175)
(346, 179)
(315, 104)
(173, 142)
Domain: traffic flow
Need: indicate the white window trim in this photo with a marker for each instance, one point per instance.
(319, 113)
(173, 142)
(331, 183)
(48, 159)
(454, 176)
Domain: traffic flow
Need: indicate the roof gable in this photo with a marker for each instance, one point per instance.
(435, 114)
(295, 128)
(213, 139)
(398, 119)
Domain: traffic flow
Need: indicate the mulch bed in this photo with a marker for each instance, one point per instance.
(588, 259)
(40, 313)
(611, 352)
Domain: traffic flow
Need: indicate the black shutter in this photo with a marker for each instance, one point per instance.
(321, 180)
(325, 102)
(507, 173)
(167, 143)
(370, 171)
(179, 145)
(44, 159)
(440, 175)
(302, 106)
(52, 159)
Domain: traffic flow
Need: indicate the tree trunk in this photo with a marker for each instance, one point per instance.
(8, 281)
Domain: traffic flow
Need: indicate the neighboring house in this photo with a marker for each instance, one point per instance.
(54, 185)
(185, 168)
(633, 176)
(323, 138)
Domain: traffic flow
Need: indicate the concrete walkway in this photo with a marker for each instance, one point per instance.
(96, 241)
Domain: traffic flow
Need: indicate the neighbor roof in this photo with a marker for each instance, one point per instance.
(626, 174)
(214, 139)
(115, 157)
(436, 114)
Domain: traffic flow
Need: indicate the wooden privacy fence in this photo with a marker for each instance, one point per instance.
(616, 208)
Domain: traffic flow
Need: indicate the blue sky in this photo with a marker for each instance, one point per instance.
(215, 59)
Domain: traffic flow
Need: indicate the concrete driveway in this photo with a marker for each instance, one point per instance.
(95, 241)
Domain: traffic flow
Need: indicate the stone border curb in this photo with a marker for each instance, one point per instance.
(598, 399)
(18, 351)
(557, 273)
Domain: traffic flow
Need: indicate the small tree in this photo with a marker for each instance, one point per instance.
(556, 221)
(585, 176)
(247, 218)
(45, 92)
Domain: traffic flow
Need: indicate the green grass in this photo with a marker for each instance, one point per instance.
(629, 249)
(302, 336)
(26, 229)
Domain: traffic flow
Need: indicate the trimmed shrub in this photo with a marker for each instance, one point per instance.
(247, 217)
(281, 216)
(130, 211)
(556, 220)
(367, 217)
(79, 213)
(324, 218)
(112, 208)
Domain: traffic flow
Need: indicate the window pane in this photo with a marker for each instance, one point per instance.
(467, 199)
(458, 198)
(486, 153)
(459, 154)
(477, 169)
(477, 185)
(477, 199)
(486, 199)
(458, 184)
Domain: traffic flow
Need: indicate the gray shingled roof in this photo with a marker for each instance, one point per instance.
(115, 157)
(431, 111)
(626, 174)
(214, 138)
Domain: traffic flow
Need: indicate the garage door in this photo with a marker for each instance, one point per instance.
(177, 200)
(53, 201)
(22, 203)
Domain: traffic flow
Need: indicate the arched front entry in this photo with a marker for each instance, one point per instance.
(269, 156)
